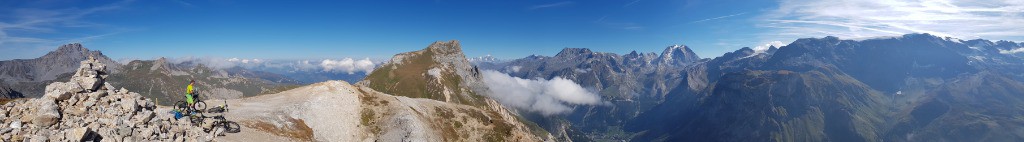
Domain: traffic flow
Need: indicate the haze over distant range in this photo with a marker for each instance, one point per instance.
(225, 29)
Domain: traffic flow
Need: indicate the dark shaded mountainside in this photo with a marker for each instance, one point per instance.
(632, 83)
(916, 87)
(159, 79)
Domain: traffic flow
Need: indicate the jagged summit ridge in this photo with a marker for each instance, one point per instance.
(571, 52)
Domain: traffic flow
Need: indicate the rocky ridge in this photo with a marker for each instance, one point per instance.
(446, 85)
(87, 108)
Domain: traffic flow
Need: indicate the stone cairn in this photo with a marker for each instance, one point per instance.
(87, 108)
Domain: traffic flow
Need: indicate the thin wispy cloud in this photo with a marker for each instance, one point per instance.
(551, 5)
(22, 22)
(184, 3)
(720, 17)
(618, 25)
(631, 3)
(999, 19)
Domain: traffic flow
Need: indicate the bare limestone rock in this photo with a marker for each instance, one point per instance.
(86, 108)
(61, 90)
(78, 134)
(47, 113)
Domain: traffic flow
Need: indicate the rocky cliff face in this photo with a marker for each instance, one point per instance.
(8, 93)
(87, 108)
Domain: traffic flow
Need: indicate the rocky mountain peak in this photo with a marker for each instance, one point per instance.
(48, 67)
(449, 47)
(570, 52)
(440, 72)
(160, 64)
(72, 47)
(678, 54)
(921, 35)
(772, 49)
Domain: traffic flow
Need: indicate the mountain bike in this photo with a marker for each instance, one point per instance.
(219, 121)
(198, 107)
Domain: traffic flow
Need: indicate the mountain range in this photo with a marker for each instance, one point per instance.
(914, 87)
(159, 79)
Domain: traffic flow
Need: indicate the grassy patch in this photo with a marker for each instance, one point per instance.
(4, 101)
(367, 117)
(299, 130)
(447, 126)
(406, 79)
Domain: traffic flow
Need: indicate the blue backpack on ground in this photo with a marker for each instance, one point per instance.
(177, 114)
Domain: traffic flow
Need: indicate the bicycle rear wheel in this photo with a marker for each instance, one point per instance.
(181, 106)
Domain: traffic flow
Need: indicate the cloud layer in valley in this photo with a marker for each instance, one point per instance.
(344, 65)
(547, 97)
(348, 65)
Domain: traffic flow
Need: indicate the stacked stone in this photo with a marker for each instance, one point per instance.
(86, 108)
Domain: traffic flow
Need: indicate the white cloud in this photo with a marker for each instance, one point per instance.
(515, 68)
(1011, 51)
(992, 19)
(550, 5)
(762, 48)
(304, 65)
(348, 65)
(547, 97)
(720, 17)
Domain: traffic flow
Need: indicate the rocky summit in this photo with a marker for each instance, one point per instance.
(87, 108)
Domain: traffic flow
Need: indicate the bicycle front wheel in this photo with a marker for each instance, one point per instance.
(232, 127)
(200, 106)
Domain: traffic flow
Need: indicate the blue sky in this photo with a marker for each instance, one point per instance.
(147, 29)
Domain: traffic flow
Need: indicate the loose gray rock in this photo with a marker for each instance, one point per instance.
(61, 91)
(78, 134)
(47, 113)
